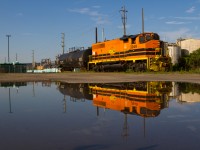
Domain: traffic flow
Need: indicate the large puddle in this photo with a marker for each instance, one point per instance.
(131, 116)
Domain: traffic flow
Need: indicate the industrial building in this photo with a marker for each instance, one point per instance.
(190, 97)
(188, 45)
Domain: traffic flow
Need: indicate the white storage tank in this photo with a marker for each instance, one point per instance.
(174, 52)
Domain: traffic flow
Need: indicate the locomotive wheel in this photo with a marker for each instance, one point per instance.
(96, 68)
(137, 67)
(144, 66)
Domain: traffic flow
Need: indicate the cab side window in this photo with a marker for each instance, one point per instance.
(141, 39)
(133, 41)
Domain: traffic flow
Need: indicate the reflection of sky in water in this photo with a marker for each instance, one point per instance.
(38, 121)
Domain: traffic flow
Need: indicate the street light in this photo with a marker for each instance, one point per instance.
(8, 36)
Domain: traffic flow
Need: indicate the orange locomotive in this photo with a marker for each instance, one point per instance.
(139, 52)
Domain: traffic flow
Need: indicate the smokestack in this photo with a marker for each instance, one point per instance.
(96, 34)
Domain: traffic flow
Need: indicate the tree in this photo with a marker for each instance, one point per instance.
(184, 63)
(194, 59)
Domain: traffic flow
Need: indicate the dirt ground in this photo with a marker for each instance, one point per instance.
(88, 77)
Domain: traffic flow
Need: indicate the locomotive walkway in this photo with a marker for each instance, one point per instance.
(91, 77)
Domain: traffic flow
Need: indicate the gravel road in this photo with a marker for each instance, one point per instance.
(87, 77)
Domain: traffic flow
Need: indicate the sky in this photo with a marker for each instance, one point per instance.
(36, 25)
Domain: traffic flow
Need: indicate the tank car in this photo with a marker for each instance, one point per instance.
(76, 58)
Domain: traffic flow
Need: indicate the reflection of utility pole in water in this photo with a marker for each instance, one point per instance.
(97, 111)
(33, 89)
(10, 106)
(144, 125)
(64, 104)
(125, 128)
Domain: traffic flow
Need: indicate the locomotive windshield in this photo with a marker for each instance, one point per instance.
(148, 36)
(156, 36)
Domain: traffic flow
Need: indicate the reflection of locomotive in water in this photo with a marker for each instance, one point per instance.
(142, 98)
(139, 52)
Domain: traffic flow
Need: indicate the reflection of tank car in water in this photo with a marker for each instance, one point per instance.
(75, 90)
(142, 98)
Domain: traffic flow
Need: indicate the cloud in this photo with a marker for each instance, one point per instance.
(19, 14)
(27, 34)
(96, 6)
(161, 18)
(191, 10)
(188, 18)
(176, 22)
(172, 36)
(176, 116)
(127, 26)
(192, 128)
(94, 14)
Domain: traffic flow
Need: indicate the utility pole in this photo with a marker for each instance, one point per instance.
(142, 20)
(124, 18)
(8, 36)
(63, 42)
(33, 60)
(103, 35)
(16, 57)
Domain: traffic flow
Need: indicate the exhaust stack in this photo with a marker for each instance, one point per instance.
(96, 34)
